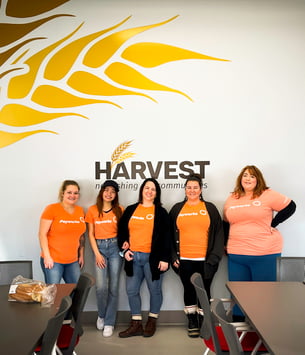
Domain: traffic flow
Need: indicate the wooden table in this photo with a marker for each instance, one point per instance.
(22, 324)
(277, 311)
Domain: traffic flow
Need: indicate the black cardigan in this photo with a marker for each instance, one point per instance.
(160, 244)
(215, 248)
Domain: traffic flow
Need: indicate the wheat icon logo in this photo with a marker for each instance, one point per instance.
(119, 154)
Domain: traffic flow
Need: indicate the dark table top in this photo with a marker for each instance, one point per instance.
(22, 324)
(277, 311)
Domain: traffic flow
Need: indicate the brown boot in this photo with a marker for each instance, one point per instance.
(150, 327)
(134, 329)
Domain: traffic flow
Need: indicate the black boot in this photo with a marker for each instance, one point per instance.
(193, 325)
(200, 320)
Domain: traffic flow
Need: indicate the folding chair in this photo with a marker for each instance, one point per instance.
(47, 344)
(70, 333)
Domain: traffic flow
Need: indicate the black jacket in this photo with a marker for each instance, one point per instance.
(160, 244)
(215, 248)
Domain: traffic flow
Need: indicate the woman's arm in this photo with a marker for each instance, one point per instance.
(81, 249)
(44, 227)
(99, 259)
(123, 230)
(284, 214)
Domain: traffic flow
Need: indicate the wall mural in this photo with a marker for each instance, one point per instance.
(36, 88)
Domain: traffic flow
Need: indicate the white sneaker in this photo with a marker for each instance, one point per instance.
(108, 331)
(100, 323)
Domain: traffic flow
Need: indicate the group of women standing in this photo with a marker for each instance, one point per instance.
(190, 237)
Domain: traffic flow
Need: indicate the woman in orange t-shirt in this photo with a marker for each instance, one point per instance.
(144, 235)
(254, 243)
(198, 245)
(61, 236)
(102, 219)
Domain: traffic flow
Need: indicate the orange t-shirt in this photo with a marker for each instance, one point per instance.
(193, 223)
(141, 225)
(105, 225)
(250, 223)
(64, 233)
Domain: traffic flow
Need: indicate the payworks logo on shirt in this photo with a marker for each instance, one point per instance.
(130, 171)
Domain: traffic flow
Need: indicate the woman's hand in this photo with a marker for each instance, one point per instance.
(163, 266)
(125, 245)
(176, 264)
(100, 261)
(81, 261)
(128, 255)
(48, 262)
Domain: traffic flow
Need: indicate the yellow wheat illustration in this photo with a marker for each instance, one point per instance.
(118, 155)
(46, 81)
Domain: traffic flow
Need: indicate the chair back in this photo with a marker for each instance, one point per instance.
(79, 298)
(228, 329)
(290, 268)
(12, 268)
(208, 328)
(48, 341)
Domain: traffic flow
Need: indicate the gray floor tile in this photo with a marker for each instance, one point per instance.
(168, 340)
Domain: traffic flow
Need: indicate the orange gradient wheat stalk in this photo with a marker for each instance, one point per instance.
(118, 155)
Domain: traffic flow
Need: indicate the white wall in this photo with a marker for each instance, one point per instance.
(249, 110)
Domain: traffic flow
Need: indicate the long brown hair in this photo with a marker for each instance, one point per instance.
(114, 204)
(260, 182)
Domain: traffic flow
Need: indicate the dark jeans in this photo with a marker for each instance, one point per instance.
(186, 270)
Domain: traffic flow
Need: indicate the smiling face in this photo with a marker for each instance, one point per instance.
(192, 191)
(248, 181)
(70, 195)
(149, 192)
(109, 194)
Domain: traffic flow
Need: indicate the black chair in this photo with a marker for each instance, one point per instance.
(235, 343)
(12, 268)
(71, 332)
(290, 268)
(48, 342)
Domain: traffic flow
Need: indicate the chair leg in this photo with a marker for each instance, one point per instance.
(206, 352)
(256, 347)
(58, 351)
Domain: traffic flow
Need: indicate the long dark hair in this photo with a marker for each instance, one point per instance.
(114, 204)
(157, 200)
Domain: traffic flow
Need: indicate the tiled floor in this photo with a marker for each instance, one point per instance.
(168, 340)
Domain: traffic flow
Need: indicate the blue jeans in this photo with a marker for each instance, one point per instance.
(251, 268)
(107, 280)
(69, 272)
(141, 270)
